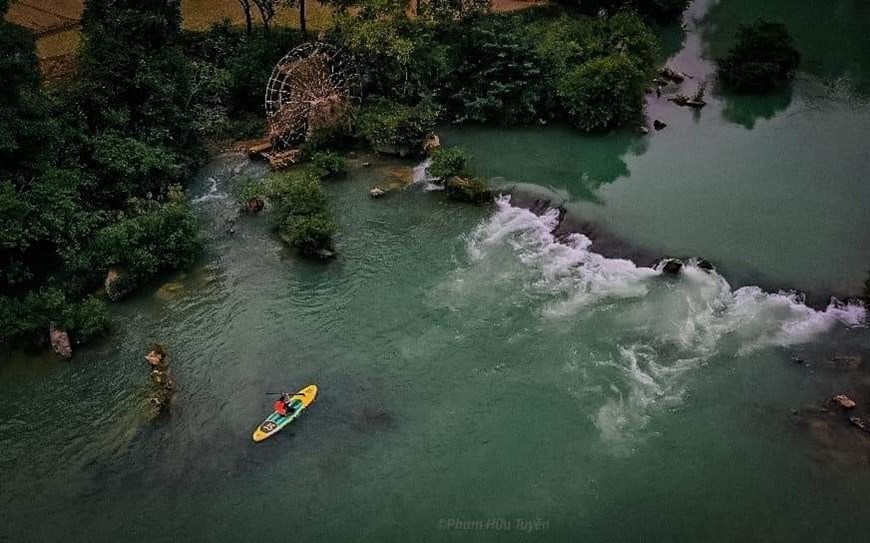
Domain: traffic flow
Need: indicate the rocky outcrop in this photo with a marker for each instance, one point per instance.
(254, 205)
(60, 342)
(672, 267)
(844, 401)
(685, 101)
(467, 189)
(116, 284)
(431, 143)
(162, 386)
(673, 75)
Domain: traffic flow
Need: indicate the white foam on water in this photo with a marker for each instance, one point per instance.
(420, 176)
(212, 194)
(661, 327)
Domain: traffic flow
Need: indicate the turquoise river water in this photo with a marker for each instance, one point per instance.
(480, 381)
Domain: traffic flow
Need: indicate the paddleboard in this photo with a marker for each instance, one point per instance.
(275, 422)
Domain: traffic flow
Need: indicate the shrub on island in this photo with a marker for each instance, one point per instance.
(763, 59)
(447, 162)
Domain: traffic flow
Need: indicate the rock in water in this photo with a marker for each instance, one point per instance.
(658, 125)
(705, 265)
(672, 267)
(673, 75)
(115, 284)
(844, 401)
(60, 342)
(377, 192)
(431, 143)
(859, 423)
(254, 206)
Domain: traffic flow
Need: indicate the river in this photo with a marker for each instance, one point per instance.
(481, 381)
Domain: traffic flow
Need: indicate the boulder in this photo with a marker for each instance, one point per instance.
(843, 401)
(859, 423)
(673, 75)
(431, 143)
(59, 342)
(116, 284)
(643, 130)
(672, 266)
(705, 265)
(467, 189)
(254, 205)
(658, 125)
(685, 101)
(325, 254)
(377, 192)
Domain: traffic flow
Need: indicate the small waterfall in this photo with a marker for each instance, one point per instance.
(650, 331)
(212, 194)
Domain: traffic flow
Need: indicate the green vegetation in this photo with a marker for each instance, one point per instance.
(394, 127)
(300, 211)
(90, 174)
(763, 59)
(473, 190)
(447, 162)
(328, 163)
(603, 92)
(85, 174)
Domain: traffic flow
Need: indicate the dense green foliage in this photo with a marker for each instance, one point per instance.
(300, 211)
(85, 174)
(763, 59)
(660, 10)
(603, 92)
(507, 68)
(328, 163)
(392, 126)
(447, 162)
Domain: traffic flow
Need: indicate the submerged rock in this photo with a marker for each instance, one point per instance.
(254, 205)
(859, 423)
(848, 362)
(59, 342)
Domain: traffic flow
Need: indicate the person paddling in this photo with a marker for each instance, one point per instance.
(281, 406)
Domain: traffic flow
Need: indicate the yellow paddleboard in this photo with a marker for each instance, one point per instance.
(274, 422)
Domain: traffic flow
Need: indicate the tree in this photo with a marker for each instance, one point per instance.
(763, 59)
(660, 10)
(134, 81)
(447, 162)
(246, 10)
(603, 93)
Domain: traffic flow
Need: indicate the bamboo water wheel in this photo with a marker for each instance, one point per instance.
(310, 89)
